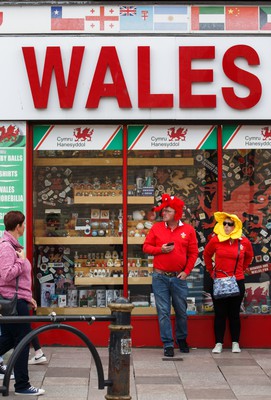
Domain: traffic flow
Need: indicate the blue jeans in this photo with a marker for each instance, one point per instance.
(169, 290)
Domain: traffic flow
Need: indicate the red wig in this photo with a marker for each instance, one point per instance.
(172, 202)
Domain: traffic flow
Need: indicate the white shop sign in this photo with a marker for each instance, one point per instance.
(226, 78)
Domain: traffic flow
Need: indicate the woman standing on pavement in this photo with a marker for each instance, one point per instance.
(13, 264)
(231, 252)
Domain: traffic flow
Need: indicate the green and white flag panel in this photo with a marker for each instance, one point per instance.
(172, 137)
(211, 18)
(77, 137)
(246, 137)
(140, 137)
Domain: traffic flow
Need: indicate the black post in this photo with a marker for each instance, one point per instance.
(120, 350)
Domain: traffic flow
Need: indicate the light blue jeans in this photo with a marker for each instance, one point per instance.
(169, 291)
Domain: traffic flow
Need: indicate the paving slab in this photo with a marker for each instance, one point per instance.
(67, 372)
(250, 370)
(236, 362)
(161, 380)
(248, 379)
(209, 394)
(71, 373)
(250, 390)
(160, 392)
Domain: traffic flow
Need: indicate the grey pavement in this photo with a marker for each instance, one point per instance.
(71, 373)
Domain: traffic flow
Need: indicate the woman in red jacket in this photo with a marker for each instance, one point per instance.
(221, 254)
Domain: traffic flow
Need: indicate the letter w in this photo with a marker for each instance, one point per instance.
(53, 62)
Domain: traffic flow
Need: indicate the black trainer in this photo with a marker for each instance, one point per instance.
(169, 351)
(183, 346)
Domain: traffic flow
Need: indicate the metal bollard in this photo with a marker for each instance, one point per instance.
(120, 350)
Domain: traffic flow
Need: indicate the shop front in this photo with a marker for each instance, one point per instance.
(93, 132)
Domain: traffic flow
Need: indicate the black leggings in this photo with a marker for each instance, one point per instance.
(35, 343)
(228, 308)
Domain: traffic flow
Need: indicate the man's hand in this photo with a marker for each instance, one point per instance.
(167, 249)
(182, 275)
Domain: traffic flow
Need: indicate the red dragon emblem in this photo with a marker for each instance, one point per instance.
(83, 134)
(176, 134)
(259, 294)
(9, 133)
(266, 133)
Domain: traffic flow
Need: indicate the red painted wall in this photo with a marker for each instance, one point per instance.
(255, 332)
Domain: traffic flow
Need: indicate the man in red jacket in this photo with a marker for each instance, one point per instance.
(175, 249)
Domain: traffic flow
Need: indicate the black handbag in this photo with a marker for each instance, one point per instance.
(228, 286)
(8, 307)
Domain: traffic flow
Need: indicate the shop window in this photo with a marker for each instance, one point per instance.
(181, 161)
(247, 193)
(78, 205)
(77, 185)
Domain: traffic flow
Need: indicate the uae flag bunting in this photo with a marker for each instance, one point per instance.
(207, 18)
(265, 18)
(242, 18)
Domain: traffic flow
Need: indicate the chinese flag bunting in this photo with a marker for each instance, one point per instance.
(242, 18)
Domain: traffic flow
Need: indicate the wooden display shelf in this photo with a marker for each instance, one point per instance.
(73, 310)
(144, 311)
(104, 162)
(97, 199)
(91, 162)
(78, 240)
(85, 281)
(140, 200)
(39, 240)
(112, 200)
(160, 161)
(136, 240)
(91, 310)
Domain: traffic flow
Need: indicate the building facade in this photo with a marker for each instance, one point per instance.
(105, 107)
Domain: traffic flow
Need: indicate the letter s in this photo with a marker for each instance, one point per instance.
(242, 77)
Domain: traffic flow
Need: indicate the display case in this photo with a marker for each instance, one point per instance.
(78, 208)
(161, 160)
(78, 220)
(94, 188)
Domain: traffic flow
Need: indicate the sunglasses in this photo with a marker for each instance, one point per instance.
(228, 223)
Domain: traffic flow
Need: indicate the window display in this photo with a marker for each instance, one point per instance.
(79, 208)
(167, 163)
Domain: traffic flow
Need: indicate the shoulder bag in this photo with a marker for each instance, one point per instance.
(228, 286)
(8, 307)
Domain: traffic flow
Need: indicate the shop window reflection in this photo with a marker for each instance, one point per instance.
(247, 193)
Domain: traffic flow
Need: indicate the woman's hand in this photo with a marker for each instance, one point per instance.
(33, 303)
(21, 254)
